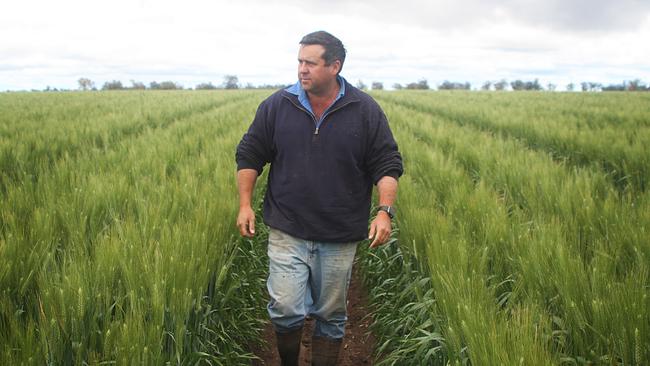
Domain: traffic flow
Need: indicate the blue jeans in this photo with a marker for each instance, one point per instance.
(308, 278)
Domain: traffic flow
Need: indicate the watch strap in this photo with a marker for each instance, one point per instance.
(390, 210)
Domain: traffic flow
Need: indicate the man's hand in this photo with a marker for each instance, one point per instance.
(246, 221)
(380, 229)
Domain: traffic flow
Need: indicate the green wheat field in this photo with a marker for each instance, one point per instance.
(522, 234)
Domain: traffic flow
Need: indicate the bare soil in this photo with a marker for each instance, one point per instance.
(358, 342)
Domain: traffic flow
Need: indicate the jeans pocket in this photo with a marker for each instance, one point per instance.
(283, 252)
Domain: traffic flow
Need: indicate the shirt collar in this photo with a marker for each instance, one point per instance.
(296, 89)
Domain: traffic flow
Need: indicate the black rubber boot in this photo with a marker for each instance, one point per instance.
(289, 346)
(325, 351)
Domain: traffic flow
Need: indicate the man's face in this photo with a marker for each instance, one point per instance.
(315, 77)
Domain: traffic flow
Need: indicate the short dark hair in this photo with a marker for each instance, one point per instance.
(334, 49)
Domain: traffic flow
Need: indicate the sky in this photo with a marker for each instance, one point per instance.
(54, 43)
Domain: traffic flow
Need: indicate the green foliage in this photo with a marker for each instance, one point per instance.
(116, 242)
(523, 230)
(608, 130)
(536, 251)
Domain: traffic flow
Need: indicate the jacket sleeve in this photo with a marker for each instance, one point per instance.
(256, 146)
(383, 157)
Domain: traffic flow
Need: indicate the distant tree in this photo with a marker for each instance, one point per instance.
(595, 86)
(137, 85)
(501, 85)
(486, 85)
(85, 84)
(517, 85)
(614, 87)
(164, 85)
(591, 86)
(570, 87)
(551, 87)
(361, 85)
(273, 86)
(169, 85)
(377, 85)
(205, 86)
(525, 85)
(231, 82)
(423, 84)
(113, 85)
(397, 86)
(249, 86)
(448, 85)
(632, 85)
(635, 85)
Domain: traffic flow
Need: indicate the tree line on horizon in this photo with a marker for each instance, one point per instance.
(517, 85)
(232, 82)
(229, 82)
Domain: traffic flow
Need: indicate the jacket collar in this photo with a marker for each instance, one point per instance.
(296, 89)
(346, 93)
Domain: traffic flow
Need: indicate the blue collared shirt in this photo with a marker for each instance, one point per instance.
(296, 89)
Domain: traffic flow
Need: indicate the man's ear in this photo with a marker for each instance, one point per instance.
(336, 66)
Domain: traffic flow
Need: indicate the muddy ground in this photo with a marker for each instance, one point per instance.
(358, 343)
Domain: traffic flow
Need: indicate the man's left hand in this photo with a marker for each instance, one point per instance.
(380, 229)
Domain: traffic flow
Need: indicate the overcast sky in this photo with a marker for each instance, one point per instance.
(54, 43)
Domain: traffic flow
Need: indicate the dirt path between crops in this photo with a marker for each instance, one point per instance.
(358, 343)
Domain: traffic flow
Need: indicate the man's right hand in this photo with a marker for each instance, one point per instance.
(246, 221)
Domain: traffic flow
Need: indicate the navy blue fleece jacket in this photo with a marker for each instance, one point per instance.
(320, 181)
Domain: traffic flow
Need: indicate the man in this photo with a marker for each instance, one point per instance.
(327, 143)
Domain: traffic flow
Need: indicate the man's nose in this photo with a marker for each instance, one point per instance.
(302, 68)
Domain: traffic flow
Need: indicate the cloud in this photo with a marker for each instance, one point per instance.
(390, 41)
(582, 15)
(444, 15)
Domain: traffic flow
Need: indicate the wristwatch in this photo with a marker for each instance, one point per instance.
(390, 210)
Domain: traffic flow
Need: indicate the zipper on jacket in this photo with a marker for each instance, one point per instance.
(313, 118)
(318, 123)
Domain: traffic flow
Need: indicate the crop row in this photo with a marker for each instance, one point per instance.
(603, 130)
(522, 230)
(523, 253)
(124, 252)
(50, 127)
